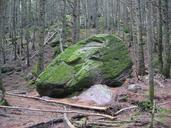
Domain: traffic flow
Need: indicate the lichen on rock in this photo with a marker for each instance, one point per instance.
(98, 59)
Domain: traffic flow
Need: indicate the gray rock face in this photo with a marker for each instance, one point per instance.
(100, 94)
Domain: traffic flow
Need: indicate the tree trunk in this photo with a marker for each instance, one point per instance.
(160, 36)
(76, 21)
(1, 31)
(96, 17)
(150, 50)
(141, 65)
(150, 57)
(64, 36)
(41, 22)
(14, 15)
(166, 43)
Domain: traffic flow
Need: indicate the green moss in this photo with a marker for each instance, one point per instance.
(4, 102)
(35, 70)
(115, 58)
(145, 105)
(56, 74)
(56, 51)
(69, 54)
(76, 68)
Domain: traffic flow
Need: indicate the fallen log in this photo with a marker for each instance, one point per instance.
(47, 124)
(61, 102)
(58, 111)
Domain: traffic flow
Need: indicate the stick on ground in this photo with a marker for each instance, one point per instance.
(61, 102)
(69, 124)
(58, 111)
(124, 109)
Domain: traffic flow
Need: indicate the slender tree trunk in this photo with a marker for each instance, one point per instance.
(23, 23)
(149, 17)
(27, 34)
(166, 43)
(34, 39)
(160, 58)
(3, 34)
(96, 17)
(76, 21)
(150, 50)
(40, 65)
(118, 17)
(131, 24)
(150, 56)
(63, 24)
(27, 47)
(86, 19)
(35, 26)
(1, 26)
(14, 29)
(141, 65)
(113, 17)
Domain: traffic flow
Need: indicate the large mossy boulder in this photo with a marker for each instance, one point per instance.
(98, 59)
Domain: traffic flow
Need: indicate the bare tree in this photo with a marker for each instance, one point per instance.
(141, 65)
(166, 43)
(160, 36)
(76, 20)
(1, 38)
(64, 24)
(150, 56)
(41, 22)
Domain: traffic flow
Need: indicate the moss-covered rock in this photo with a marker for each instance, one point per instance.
(99, 59)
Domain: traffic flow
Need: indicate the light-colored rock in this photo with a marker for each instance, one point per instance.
(134, 87)
(100, 94)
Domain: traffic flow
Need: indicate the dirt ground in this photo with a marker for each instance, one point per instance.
(15, 83)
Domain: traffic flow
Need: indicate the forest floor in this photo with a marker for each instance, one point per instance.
(29, 110)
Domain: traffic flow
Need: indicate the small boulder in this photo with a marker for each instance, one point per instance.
(100, 94)
(134, 87)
